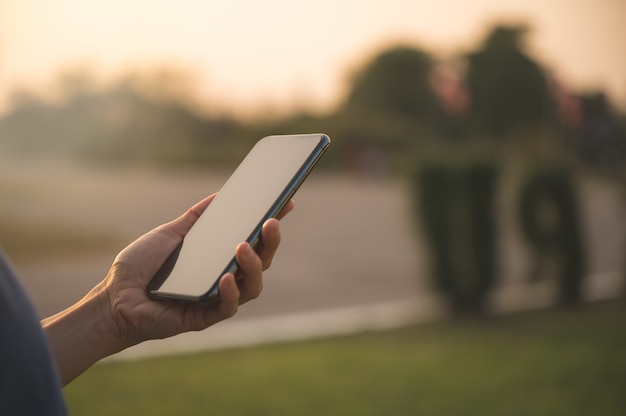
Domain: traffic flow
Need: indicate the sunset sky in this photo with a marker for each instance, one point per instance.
(250, 56)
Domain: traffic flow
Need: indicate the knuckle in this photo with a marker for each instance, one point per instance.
(256, 293)
(230, 311)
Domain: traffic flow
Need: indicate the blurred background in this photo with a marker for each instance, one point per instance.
(476, 171)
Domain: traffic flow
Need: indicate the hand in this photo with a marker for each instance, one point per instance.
(136, 317)
(117, 313)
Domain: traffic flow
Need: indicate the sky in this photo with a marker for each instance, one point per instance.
(251, 57)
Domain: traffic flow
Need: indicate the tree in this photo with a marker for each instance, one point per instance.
(395, 83)
(509, 90)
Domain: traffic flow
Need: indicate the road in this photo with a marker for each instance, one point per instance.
(352, 255)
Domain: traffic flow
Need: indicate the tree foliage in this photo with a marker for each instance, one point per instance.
(509, 90)
(395, 82)
(395, 108)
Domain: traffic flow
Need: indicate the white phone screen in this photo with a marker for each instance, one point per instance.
(266, 178)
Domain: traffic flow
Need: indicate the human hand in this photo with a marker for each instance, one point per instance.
(134, 317)
(117, 313)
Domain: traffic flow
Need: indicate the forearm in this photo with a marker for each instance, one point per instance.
(80, 336)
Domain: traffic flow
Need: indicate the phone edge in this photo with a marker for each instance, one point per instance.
(213, 295)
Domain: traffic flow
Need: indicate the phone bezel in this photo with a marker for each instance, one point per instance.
(212, 294)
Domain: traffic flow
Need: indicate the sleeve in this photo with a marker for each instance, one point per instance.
(29, 383)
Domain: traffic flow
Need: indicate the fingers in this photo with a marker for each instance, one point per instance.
(250, 272)
(229, 297)
(251, 263)
(270, 240)
(149, 251)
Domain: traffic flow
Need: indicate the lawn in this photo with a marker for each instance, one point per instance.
(556, 362)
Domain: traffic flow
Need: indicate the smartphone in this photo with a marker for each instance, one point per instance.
(257, 190)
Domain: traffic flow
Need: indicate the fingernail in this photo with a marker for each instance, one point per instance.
(247, 250)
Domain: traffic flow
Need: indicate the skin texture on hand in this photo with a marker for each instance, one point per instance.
(118, 313)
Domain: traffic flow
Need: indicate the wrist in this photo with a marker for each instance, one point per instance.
(82, 334)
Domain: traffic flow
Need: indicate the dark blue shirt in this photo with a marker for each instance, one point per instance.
(29, 384)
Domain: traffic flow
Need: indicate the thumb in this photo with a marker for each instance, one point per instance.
(183, 224)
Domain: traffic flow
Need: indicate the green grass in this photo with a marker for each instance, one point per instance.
(557, 362)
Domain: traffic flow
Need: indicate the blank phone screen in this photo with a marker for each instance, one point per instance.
(270, 171)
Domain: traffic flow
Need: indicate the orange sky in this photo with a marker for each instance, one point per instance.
(252, 56)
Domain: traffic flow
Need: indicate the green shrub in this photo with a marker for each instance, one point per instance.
(549, 219)
(456, 208)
